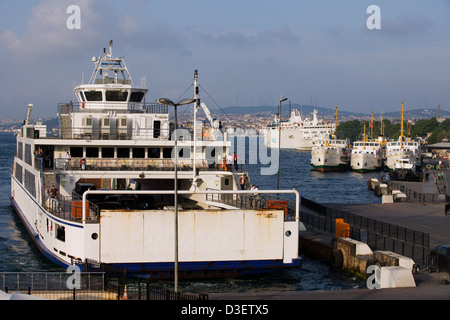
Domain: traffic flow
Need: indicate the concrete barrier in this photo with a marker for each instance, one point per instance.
(387, 199)
(352, 256)
(396, 277)
(390, 258)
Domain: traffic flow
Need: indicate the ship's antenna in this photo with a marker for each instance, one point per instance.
(401, 129)
(196, 108)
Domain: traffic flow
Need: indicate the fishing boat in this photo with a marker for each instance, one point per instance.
(298, 132)
(120, 186)
(402, 148)
(331, 154)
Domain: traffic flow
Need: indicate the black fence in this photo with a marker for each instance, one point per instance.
(379, 235)
(89, 286)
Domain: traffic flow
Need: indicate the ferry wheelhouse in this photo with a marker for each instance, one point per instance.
(108, 188)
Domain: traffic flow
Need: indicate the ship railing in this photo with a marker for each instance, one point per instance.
(90, 133)
(254, 200)
(291, 211)
(133, 107)
(127, 164)
(70, 208)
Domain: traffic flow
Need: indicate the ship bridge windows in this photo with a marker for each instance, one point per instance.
(137, 96)
(93, 95)
(116, 95)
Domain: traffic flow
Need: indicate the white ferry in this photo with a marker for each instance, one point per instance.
(296, 133)
(331, 155)
(401, 149)
(368, 154)
(107, 190)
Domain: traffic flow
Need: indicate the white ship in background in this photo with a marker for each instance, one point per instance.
(102, 192)
(331, 154)
(296, 133)
(403, 149)
(368, 154)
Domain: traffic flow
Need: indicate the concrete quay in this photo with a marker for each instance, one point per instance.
(426, 217)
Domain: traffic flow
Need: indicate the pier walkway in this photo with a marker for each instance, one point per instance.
(426, 217)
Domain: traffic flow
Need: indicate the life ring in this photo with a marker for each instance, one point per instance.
(402, 175)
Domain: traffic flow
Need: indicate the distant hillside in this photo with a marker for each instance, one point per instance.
(304, 109)
(325, 112)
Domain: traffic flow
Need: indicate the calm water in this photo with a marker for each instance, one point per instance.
(19, 254)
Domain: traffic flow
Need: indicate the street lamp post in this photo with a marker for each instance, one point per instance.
(169, 102)
(279, 141)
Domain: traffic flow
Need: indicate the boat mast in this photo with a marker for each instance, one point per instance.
(401, 129)
(371, 127)
(381, 124)
(335, 126)
(196, 108)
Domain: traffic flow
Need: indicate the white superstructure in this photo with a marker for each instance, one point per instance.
(401, 149)
(296, 133)
(112, 163)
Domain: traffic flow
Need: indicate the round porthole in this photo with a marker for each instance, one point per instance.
(288, 233)
(94, 236)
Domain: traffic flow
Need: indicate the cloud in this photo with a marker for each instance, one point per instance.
(405, 24)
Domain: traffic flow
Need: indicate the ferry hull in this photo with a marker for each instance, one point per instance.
(122, 251)
(338, 168)
(198, 270)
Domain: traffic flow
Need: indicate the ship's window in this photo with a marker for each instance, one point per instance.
(93, 95)
(82, 96)
(60, 232)
(167, 153)
(107, 152)
(19, 173)
(28, 154)
(123, 152)
(156, 129)
(20, 150)
(91, 152)
(136, 96)
(30, 184)
(116, 95)
(153, 153)
(138, 152)
(76, 152)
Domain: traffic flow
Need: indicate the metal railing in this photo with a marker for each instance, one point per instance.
(157, 164)
(379, 235)
(417, 196)
(89, 286)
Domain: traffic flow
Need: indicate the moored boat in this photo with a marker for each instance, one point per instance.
(331, 154)
(121, 186)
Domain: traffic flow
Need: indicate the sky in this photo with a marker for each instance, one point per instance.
(247, 52)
